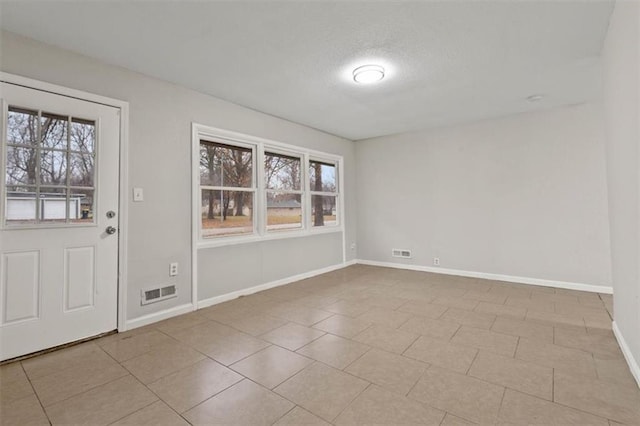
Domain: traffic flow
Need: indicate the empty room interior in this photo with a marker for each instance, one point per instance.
(320, 212)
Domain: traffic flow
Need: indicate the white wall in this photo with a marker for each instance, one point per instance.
(522, 196)
(622, 107)
(159, 161)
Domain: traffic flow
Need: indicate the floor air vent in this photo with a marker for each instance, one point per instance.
(153, 295)
(401, 253)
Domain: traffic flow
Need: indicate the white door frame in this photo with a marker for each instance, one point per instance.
(123, 184)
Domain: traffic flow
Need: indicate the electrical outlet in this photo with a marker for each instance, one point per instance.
(173, 269)
(353, 246)
(436, 261)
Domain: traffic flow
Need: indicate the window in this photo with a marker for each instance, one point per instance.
(283, 185)
(247, 188)
(227, 187)
(49, 178)
(324, 197)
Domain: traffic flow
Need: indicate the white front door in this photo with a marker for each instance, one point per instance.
(58, 220)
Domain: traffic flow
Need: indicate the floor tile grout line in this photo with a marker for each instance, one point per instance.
(135, 411)
(34, 393)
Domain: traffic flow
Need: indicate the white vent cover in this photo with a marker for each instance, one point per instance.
(152, 295)
(401, 253)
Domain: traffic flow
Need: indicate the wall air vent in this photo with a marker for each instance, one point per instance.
(401, 253)
(153, 295)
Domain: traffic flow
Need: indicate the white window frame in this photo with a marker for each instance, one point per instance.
(208, 133)
(310, 192)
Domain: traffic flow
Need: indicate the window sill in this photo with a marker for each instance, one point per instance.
(248, 239)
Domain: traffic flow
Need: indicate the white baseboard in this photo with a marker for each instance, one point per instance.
(158, 316)
(498, 277)
(247, 291)
(631, 361)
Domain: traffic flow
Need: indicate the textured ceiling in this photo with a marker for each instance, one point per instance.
(447, 62)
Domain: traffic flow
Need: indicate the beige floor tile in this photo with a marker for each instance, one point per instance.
(456, 302)
(612, 401)
(387, 302)
(386, 338)
(188, 387)
(485, 296)
(385, 317)
(156, 414)
(348, 308)
(451, 420)
(201, 333)
(322, 390)
(136, 345)
(378, 406)
(520, 409)
(303, 315)
(271, 366)
(513, 373)
(245, 403)
(501, 310)
(316, 301)
(161, 361)
(601, 345)
(232, 348)
(102, 405)
(393, 372)
(502, 344)
(25, 411)
(14, 383)
(66, 383)
(423, 308)
(258, 324)
(556, 297)
(442, 354)
(443, 330)
(461, 395)
(572, 361)
(85, 353)
(531, 305)
(181, 321)
(528, 329)
(334, 351)
(614, 371)
(470, 318)
(342, 325)
(301, 417)
(555, 319)
(292, 336)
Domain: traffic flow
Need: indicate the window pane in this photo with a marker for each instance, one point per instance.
(54, 131)
(323, 210)
(22, 127)
(53, 167)
(322, 176)
(83, 135)
(225, 165)
(53, 202)
(226, 213)
(81, 206)
(284, 211)
(281, 172)
(20, 205)
(80, 169)
(21, 166)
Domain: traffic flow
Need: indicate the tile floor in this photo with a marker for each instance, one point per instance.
(362, 345)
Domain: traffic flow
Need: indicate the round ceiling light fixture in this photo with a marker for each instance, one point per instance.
(367, 74)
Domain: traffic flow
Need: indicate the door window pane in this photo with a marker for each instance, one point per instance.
(53, 205)
(22, 126)
(54, 131)
(21, 205)
(53, 167)
(80, 169)
(21, 166)
(81, 205)
(83, 135)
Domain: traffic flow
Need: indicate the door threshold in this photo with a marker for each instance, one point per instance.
(57, 348)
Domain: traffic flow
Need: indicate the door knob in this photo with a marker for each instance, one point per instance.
(111, 230)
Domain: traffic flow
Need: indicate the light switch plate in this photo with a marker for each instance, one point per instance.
(138, 194)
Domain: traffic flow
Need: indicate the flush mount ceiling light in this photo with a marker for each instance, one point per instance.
(535, 98)
(368, 74)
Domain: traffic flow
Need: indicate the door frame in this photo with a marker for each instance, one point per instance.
(123, 228)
